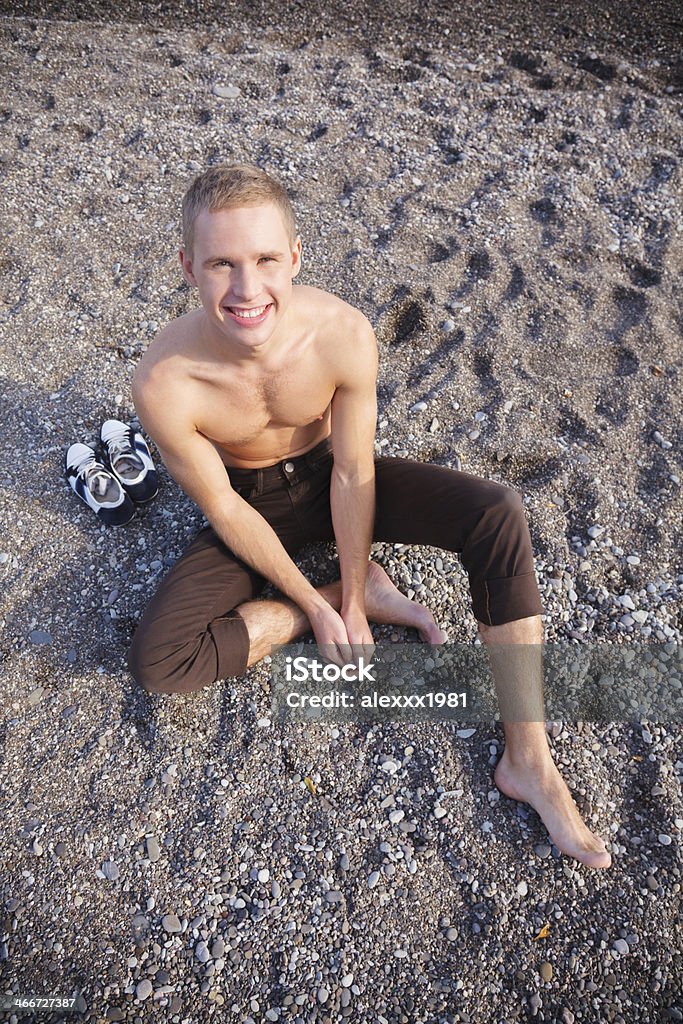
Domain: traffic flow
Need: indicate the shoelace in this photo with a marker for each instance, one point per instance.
(118, 442)
(94, 475)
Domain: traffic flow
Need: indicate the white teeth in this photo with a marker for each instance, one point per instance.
(248, 314)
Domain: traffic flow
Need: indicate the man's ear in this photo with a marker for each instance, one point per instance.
(296, 257)
(186, 264)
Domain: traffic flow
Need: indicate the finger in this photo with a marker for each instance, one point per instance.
(331, 654)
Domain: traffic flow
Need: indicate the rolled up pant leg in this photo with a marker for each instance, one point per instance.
(417, 503)
(189, 634)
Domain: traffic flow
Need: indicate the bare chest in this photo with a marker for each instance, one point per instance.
(265, 420)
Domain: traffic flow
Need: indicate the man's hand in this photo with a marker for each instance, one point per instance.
(359, 634)
(342, 640)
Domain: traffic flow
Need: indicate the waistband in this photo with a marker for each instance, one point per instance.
(286, 469)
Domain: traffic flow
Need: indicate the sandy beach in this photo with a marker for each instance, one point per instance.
(499, 191)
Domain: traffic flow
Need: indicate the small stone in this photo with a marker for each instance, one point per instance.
(522, 888)
(347, 980)
(263, 723)
(333, 896)
(546, 971)
(595, 531)
(448, 326)
(621, 946)
(664, 839)
(110, 870)
(464, 734)
(418, 407)
(143, 989)
(542, 850)
(39, 636)
(373, 879)
(264, 876)
(434, 426)
(452, 934)
(171, 924)
(153, 851)
(60, 848)
(396, 816)
(323, 994)
(226, 92)
(34, 696)
(440, 812)
(201, 952)
(344, 862)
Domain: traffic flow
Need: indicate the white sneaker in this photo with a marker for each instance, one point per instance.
(97, 486)
(128, 457)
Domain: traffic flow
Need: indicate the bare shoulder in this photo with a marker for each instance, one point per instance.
(344, 333)
(161, 379)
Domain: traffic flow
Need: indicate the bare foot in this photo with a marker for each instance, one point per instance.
(547, 792)
(385, 604)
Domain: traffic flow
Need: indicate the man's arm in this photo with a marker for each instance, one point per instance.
(352, 488)
(196, 466)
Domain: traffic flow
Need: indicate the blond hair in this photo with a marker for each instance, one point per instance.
(231, 185)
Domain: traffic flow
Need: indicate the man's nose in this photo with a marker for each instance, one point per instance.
(245, 283)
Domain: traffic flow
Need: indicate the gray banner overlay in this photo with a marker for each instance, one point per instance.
(600, 682)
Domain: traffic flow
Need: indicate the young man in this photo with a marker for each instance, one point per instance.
(247, 399)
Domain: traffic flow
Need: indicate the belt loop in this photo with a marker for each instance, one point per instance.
(259, 482)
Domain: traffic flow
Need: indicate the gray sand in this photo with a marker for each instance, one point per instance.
(503, 200)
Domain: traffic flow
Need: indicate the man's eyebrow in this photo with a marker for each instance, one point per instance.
(275, 254)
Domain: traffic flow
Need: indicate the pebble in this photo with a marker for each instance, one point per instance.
(201, 952)
(264, 876)
(171, 924)
(664, 839)
(110, 870)
(226, 92)
(542, 850)
(439, 811)
(39, 636)
(344, 862)
(522, 888)
(418, 407)
(396, 816)
(333, 896)
(373, 879)
(464, 734)
(546, 971)
(153, 851)
(448, 326)
(621, 946)
(143, 989)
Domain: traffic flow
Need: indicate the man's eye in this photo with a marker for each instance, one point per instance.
(266, 259)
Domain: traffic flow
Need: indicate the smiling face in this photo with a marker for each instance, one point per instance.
(243, 265)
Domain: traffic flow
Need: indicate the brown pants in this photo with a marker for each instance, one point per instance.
(190, 634)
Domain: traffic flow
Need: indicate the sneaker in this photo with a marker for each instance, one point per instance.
(97, 486)
(128, 456)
